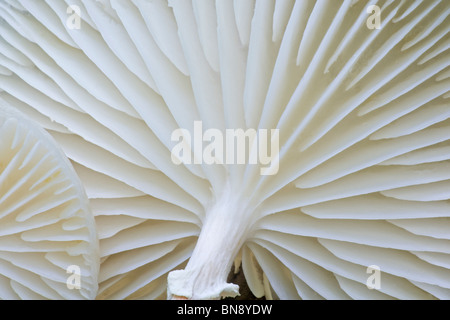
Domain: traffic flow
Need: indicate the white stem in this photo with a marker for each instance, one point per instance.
(219, 242)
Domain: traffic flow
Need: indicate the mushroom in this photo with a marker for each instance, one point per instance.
(48, 239)
(354, 93)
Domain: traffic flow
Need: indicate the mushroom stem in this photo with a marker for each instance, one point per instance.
(222, 235)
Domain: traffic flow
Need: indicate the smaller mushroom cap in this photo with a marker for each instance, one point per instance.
(48, 241)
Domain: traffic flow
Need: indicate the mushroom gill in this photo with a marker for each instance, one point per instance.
(358, 91)
(47, 235)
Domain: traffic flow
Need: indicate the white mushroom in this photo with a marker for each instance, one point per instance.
(48, 239)
(362, 111)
